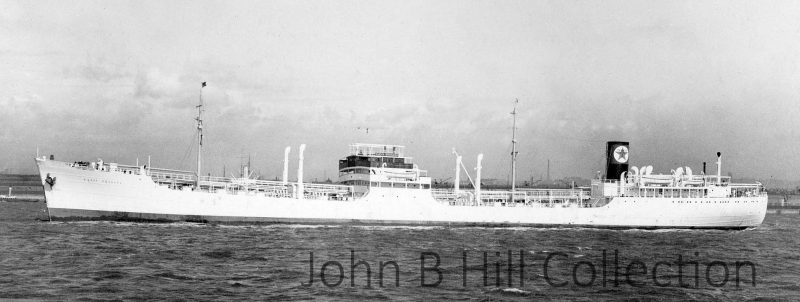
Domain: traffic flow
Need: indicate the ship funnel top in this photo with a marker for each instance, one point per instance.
(617, 158)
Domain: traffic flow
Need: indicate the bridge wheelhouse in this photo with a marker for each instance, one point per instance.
(385, 166)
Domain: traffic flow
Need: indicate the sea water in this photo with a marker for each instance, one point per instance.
(44, 260)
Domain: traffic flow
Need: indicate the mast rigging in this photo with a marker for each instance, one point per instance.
(514, 149)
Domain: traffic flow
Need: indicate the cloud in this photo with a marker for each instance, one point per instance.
(677, 79)
(155, 84)
(99, 69)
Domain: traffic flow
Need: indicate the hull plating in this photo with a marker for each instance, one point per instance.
(89, 194)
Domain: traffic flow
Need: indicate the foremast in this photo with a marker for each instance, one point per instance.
(199, 120)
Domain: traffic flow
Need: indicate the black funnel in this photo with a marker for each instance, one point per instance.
(617, 157)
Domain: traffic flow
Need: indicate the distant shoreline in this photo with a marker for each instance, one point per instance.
(24, 198)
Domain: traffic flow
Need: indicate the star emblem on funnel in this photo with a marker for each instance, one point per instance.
(621, 154)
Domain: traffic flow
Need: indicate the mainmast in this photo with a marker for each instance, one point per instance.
(199, 120)
(514, 149)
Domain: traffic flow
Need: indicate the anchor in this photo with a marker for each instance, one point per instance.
(50, 180)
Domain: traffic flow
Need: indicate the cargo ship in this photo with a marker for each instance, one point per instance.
(378, 184)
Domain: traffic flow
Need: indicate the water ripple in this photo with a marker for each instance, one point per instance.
(190, 261)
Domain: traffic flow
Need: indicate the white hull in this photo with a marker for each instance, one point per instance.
(92, 194)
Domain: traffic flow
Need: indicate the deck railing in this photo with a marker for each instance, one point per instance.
(183, 180)
(522, 197)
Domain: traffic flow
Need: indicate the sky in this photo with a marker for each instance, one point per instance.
(679, 80)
